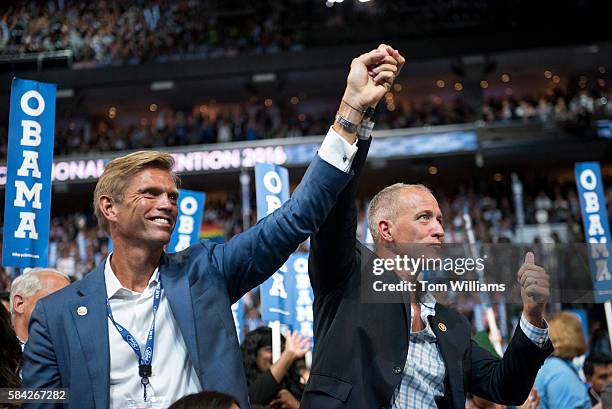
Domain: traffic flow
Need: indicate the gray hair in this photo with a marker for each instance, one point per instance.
(29, 283)
(385, 205)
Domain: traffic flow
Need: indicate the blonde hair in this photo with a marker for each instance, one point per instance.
(385, 205)
(566, 335)
(118, 173)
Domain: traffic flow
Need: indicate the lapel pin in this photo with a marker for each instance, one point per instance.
(442, 327)
(82, 310)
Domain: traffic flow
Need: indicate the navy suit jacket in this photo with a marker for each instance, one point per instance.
(360, 348)
(68, 350)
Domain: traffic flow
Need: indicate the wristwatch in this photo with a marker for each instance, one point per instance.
(346, 124)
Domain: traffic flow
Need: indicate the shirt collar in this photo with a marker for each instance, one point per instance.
(428, 306)
(113, 285)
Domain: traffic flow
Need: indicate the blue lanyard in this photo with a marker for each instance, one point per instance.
(144, 361)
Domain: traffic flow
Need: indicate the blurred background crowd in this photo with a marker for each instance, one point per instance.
(200, 74)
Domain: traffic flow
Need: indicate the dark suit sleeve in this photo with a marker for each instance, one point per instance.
(509, 380)
(40, 368)
(251, 257)
(264, 389)
(332, 248)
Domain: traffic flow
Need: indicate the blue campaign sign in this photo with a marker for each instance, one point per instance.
(596, 227)
(190, 213)
(275, 298)
(272, 190)
(238, 314)
(301, 294)
(271, 187)
(288, 297)
(28, 176)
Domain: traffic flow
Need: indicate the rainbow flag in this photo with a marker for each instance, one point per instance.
(212, 231)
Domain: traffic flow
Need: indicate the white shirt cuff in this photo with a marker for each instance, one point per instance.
(537, 335)
(364, 130)
(336, 151)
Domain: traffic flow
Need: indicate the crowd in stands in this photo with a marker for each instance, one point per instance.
(494, 218)
(255, 121)
(77, 244)
(111, 32)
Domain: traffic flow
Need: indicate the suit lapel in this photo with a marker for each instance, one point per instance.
(176, 286)
(447, 332)
(90, 319)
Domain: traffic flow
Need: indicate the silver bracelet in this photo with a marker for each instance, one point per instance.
(346, 124)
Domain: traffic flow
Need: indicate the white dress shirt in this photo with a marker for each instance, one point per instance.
(173, 374)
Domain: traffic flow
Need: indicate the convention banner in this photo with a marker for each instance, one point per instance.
(301, 295)
(596, 227)
(271, 187)
(272, 190)
(27, 202)
(190, 212)
(276, 303)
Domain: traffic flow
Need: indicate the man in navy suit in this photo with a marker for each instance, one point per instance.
(406, 354)
(149, 327)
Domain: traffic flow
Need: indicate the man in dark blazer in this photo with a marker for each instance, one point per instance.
(149, 327)
(415, 354)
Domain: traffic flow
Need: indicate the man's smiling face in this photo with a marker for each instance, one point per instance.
(148, 210)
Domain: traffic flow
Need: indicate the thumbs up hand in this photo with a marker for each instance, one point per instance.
(535, 290)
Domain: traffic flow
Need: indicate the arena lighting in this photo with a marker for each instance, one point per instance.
(264, 77)
(162, 85)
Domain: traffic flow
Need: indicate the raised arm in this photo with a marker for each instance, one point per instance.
(251, 257)
(332, 248)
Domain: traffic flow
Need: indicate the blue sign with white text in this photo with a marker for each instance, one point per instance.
(190, 212)
(596, 227)
(288, 297)
(303, 296)
(272, 190)
(271, 187)
(276, 298)
(27, 204)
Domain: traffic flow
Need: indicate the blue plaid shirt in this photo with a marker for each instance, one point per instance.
(423, 378)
